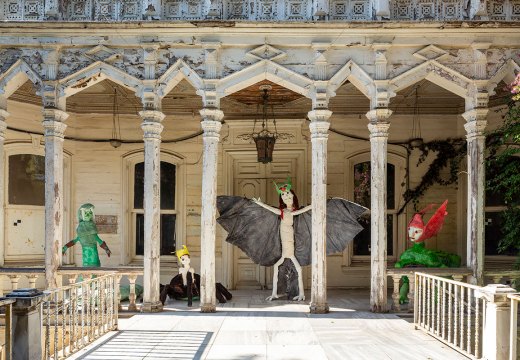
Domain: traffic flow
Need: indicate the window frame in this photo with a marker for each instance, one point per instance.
(399, 227)
(128, 252)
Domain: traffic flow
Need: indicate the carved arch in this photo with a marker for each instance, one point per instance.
(16, 76)
(506, 72)
(174, 75)
(94, 74)
(354, 74)
(265, 70)
(438, 74)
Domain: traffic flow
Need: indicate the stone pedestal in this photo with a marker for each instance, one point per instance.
(27, 324)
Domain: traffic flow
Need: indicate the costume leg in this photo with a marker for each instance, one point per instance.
(274, 295)
(189, 280)
(164, 293)
(222, 289)
(301, 295)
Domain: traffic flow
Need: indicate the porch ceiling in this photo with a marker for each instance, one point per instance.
(99, 99)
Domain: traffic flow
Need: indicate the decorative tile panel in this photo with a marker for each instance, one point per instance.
(515, 10)
(359, 10)
(33, 10)
(236, 10)
(19, 10)
(402, 10)
(131, 9)
(451, 10)
(497, 10)
(79, 10)
(426, 10)
(339, 9)
(297, 10)
(105, 10)
(266, 10)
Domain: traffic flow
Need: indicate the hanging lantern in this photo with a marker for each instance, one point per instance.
(265, 139)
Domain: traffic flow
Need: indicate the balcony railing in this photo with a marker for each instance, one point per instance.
(255, 10)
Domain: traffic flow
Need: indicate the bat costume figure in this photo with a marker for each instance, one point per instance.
(270, 235)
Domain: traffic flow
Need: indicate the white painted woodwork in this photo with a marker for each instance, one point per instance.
(319, 127)
(211, 126)
(475, 126)
(54, 126)
(3, 116)
(152, 129)
(495, 337)
(378, 128)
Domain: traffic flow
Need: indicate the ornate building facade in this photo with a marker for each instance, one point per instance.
(144, 108)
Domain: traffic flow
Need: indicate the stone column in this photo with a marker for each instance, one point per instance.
(495, 335)
(378, 127)
(152, 129)
(475, 126)
(319, 128)
(54, 126)
(211, 125)
(3, 116)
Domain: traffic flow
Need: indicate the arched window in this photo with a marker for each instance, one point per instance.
(358, 190)
(172, 199)
(168, 208)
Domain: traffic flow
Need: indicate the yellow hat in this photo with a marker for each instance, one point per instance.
(183, 251)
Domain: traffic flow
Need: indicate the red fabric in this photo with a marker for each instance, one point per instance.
(435, 223)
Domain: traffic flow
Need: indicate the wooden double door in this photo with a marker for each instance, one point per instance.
(254, 179)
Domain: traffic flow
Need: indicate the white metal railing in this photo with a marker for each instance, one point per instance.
(6, 348)
(73, 316)
(239, 10)
(513, 331)
(449, 311)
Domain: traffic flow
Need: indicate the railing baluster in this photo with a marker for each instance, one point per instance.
(477, 327)
(455, 315)
(468, 340)
(443, 324)
(450, 308)
(425, 291)
(55, 305)
(63, 322)
(461, 317)
(8, 330)
(48, 328)
(438, 296)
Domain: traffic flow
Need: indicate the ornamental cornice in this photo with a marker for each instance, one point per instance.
(474, 115)
(211, 114)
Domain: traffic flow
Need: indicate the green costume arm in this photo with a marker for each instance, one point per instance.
(68, 245)
(103, 245)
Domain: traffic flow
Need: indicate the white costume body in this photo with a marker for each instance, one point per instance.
(287, 239)
(185, 260)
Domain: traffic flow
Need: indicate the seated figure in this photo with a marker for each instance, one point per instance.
(186, 284)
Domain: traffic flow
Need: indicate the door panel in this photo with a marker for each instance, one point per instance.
(25, 238)
(253, 179)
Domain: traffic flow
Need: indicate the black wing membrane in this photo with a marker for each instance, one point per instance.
(342, 227)
(255, 230)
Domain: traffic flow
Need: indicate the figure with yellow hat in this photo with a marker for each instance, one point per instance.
(186, 284)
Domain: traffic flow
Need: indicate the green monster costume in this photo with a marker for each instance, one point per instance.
(418, 254)
(87, 235)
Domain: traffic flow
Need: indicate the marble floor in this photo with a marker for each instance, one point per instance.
(248, 327)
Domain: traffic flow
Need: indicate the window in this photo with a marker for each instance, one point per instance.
(26, 180)
(493, 230)
(168, 208)
(361, 178)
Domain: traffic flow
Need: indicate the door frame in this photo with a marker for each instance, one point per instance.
(230, 156)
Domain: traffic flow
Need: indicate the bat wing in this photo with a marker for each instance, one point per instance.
(342, 227)
(253, 229)
(435, 223)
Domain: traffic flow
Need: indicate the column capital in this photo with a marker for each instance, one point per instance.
(152, 116)
(379, 115)
(319, 115)
(476, 114)
(319, 129)
(52, 114)
(379, 129)
(152, 130)
(211, 129)
(475, 122)
(54, 128)
(209, 114)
